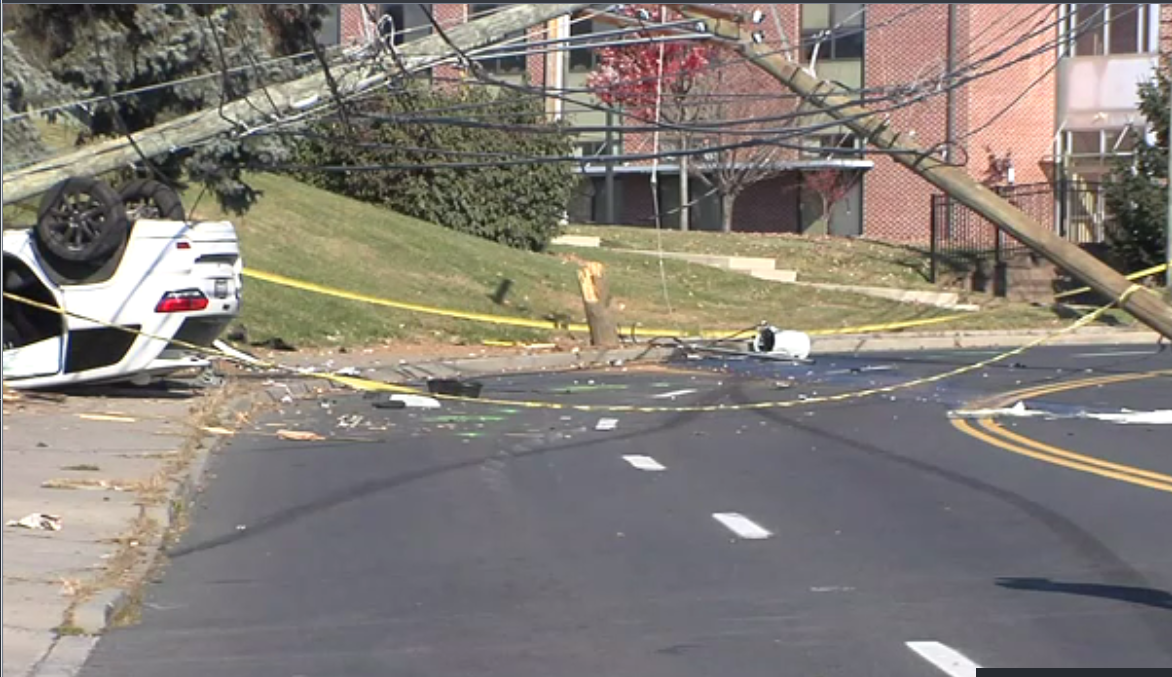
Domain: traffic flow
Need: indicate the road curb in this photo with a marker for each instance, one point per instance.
(96, 614)
(975, 339)
(414, 371)
(408, 371)
(68, 653)
(847, 343)
(65, 657)
(584, 359)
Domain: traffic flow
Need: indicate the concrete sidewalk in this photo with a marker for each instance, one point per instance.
(108, 465)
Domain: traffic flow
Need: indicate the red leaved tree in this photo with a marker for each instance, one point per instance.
(830, 186)
(696, 89)
(652, 81)
(630, 75)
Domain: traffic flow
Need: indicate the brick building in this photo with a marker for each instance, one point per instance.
(1054, 96)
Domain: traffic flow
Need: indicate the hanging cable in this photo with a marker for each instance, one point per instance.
(655, 206)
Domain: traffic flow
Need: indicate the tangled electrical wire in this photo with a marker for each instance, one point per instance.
(783, 130)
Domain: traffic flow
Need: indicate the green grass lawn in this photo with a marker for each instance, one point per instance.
(309, 234)
(817, 259)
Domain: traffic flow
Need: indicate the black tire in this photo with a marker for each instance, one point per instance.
(150, 199)
(81, 220)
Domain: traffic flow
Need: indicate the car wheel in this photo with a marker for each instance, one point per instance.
(150, 199)
(81, 220)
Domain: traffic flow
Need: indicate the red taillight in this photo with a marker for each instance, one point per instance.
(182, 301)
(183, 244)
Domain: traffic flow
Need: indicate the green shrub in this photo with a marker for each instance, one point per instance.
(518, 204)
(1137, 190)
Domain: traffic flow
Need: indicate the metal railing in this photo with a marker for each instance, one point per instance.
(962, 239)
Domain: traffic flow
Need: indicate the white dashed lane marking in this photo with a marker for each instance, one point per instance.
(742, 526)
(644, 463)
(948, 660)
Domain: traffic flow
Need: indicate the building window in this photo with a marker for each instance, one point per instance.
(407, 22)
(834, 29)
(1101, 143)
(1104, 29)
(582, 59)
(590, 149)
(513, 60)
(330, 32)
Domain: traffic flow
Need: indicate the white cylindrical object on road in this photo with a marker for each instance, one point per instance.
(774, 341)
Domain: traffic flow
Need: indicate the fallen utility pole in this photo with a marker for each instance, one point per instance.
(267, 107)
(1146, 306)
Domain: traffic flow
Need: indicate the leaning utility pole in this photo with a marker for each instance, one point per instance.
(1143, 304)
(268, 107)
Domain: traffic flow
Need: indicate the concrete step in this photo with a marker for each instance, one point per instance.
(939, 299)
(590, 241)
(737, 263)
(766, 269)
(775, 275)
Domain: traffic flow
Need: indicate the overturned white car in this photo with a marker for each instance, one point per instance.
(138, 283)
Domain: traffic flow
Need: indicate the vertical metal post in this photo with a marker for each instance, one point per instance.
(933, 234)
(1063, 202)
(609, 186)
(949, 95)
(1168, 216)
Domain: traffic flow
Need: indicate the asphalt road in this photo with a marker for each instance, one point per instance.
(867, 537)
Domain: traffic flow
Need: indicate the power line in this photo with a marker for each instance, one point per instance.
(723, 127)
(153, 87)
(787, 132)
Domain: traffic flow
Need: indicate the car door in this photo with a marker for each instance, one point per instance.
(43, 358)
(34, 337)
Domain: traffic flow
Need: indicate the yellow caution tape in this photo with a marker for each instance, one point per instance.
(519, 344)
(412, 307)
(376, 386)
(369, 385)
(292, 283)
(1138, 275)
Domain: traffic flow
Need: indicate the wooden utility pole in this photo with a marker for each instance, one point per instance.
(955, 181)
(604, 332)
(260, 107)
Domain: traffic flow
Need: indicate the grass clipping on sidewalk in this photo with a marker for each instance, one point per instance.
(312, 235)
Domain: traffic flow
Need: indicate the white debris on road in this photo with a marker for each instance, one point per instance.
(674, 394)
(607, 424)
(1019, 410)
(417, 401)
(300, 435)
(1158, 417)
(38, 521)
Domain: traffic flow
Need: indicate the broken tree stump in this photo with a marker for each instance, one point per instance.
(604, 331)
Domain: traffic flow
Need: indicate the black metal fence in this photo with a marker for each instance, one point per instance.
(962, 238)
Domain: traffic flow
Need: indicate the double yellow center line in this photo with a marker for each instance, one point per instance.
(988, 431)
